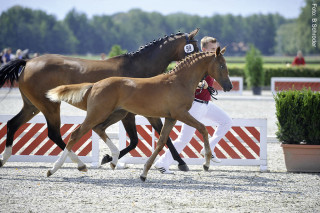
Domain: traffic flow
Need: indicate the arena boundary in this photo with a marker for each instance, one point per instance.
(31, 142)
(243, 145)
(286, 83)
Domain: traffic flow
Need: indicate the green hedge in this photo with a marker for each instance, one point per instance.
(305, 72)
(279, 72)
(298, 116)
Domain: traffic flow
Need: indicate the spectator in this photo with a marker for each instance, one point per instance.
(6, 55)
(103, 56)
(19, 54)
(298, 60)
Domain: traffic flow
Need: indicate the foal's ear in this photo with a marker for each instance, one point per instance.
(218, 51)
(193, 33)
(223, 50)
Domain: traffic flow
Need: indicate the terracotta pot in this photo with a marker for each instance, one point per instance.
(301, 158)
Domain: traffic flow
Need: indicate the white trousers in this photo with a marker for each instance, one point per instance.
(199, 111)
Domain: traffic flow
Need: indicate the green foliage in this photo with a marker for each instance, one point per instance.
(289, 72)
(116, 50)
(298, 116)
(25, 28)
(253, 69)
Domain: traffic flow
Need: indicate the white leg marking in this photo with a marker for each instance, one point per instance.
(60, 161)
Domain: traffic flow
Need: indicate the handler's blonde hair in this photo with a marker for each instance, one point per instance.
(206, 40)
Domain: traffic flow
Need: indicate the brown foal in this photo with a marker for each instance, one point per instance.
(46, 72)
(172, 95)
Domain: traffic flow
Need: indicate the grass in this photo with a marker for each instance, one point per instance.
(239, 62)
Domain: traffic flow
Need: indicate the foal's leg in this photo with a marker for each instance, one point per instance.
(168, 125)
(191, 121)
(114, 150)
(112, 119)
(52, 115)
(157, 125)
(75, 137)
(27, 112)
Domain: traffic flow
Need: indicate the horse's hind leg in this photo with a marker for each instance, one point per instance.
(52, 115)
(27, 112)
(157, 125)
(168, 125)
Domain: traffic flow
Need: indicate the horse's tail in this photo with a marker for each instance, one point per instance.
(9, 72)
(72, 93)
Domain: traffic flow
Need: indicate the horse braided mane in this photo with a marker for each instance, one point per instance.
(154, 43)
(190, 60)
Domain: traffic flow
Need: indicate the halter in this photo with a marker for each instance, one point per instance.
(188, 48)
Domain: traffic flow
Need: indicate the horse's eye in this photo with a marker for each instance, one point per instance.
(221, 66)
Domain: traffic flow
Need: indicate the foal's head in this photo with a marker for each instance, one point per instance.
(219, 71)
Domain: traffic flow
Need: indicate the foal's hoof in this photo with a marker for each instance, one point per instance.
(83, 168)
(206, 168)
(1, 164)
(143, 179)
(49, 173)
(183, 167)
(113, 166)
(106, 159)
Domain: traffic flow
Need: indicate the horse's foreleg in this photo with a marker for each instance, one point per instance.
(129, 123)
(191, 121)
(157, 125)
(27, 112)
(168, 125)
(114, 150)
(53, 122)
(112, 119)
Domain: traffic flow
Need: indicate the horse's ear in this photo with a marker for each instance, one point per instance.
(218, 51)
(223, 50)
(193, 33)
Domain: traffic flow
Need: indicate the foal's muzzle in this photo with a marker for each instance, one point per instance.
(227, 86)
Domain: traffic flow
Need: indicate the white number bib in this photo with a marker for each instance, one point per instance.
(189, 48)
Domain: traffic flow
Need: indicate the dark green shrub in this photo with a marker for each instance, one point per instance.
(253, 68)
(289, 72)
(298, 116)
(116, 50)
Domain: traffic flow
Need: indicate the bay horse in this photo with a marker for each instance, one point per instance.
(171, 94)
(38, 75)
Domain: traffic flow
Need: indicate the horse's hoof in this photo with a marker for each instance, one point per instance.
(113, 166)
(83, 168)
(1, 164)
(206, 168)
(183, 167)
(49, 173)
(106, 159)
(143, 179)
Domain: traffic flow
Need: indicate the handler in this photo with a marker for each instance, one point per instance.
(201, 108)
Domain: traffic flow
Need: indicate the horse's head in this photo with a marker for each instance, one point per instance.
(187, 45)
(219, 71)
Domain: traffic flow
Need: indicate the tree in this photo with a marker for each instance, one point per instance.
(116, 50)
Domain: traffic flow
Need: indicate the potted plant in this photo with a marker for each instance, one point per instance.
(298, 115)
(254, 70)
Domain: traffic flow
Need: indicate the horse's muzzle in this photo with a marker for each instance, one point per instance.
(227, 87)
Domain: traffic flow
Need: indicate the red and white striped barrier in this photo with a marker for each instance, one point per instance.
(31, 142)
(237, 83)
(284, 83)
(244, 144)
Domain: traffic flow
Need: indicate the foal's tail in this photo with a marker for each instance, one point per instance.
(72, 93)
(9, 72)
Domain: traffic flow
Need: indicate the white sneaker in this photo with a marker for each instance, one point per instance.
(214, 158)
(162, 169)
(121, 165)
